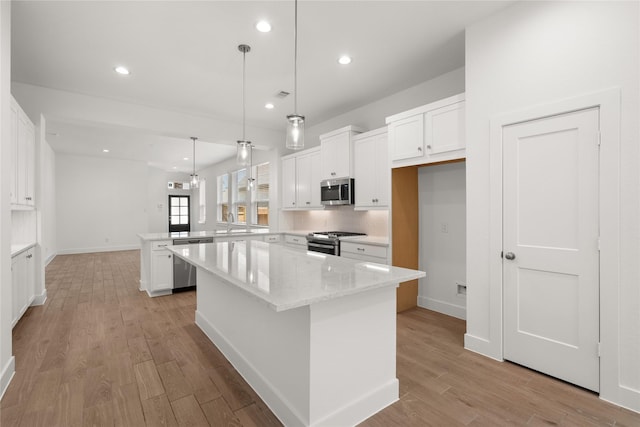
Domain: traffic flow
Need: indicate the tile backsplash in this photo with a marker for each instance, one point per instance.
(340, 218)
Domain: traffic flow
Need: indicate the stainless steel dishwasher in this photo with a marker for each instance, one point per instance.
(184, 274)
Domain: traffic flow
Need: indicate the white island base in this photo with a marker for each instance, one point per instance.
(330, 363)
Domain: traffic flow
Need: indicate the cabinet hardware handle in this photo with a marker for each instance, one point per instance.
(168, 256)
(308, 203)
(429, 147)
(373, 200)
(419, 148)
(333, 174)
(360, 249)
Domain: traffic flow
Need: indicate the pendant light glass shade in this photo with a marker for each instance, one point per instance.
(295, 132)
(243, 157)
(295, 121)
(195, 181)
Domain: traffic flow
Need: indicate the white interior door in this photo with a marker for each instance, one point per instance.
(550, 247)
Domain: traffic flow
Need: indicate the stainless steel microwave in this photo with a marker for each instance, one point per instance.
(337, 192)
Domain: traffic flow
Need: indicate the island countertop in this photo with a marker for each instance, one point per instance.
(286, 278)
(235, 232)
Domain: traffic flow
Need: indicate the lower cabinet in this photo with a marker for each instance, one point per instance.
(161, 266)
(23, 275)
(295, 241)
(364, 252)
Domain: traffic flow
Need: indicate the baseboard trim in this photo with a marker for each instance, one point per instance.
(449, 309)
(7, 374)
(49, 259)
(40, 299)
(98, 249)
(481, 346)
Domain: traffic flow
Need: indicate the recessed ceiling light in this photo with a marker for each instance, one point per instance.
(122, 70)
(105, 151)
(185, 158)
(268, 106)
(344, 60)
(175, 167)
(263, 26)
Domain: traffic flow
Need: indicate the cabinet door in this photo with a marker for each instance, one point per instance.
(161, 270)
(30, 279)
(303, 181)
(16, 279)
(22, 159)
(289, 182)
(315, 162)
(364, 172)
(382, 170)
(336, 156)
(13, 155)
(406, 137)
(29, 170)
(445, 129)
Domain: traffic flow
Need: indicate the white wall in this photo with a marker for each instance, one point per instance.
(535, 53)
(443, 234)
(158, 199)
(7, 364)
(47, 198)
(101, 203)
(339, 218)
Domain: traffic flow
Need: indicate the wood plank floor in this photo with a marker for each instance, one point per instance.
(101, 353)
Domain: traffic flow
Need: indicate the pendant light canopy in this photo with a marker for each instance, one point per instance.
(195, 181)
(245, 148)
(295, 121)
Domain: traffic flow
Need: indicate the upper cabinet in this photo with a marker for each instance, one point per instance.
(372, 171)
(301, 180)
(337, 153)
(432, 133)
(22, 172)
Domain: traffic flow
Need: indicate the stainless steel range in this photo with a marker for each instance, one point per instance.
(328, 242)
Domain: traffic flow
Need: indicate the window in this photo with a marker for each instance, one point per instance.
(223, 197)
(260, 195)
(235, 196)
(202, 202)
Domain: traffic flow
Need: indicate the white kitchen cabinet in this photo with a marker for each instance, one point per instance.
(372, 171)
(22, 152)
(301, 180)
(22, 283)
(161, 266)
(364, 252)
(336, 150)
(295, 241)
(273, 238)
(289, 182)
(432, 133)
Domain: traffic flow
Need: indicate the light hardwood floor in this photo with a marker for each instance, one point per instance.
(101, 353)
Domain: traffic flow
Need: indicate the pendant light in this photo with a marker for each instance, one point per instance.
(195, 182)
(295, 121)
(243, 156)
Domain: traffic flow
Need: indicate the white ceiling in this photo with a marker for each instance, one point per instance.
(183, 58)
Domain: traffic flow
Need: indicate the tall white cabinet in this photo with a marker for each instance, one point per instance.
(372, 171)
(22, 152)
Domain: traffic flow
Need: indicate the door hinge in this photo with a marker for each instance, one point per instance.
(599, 350)
(502, 254)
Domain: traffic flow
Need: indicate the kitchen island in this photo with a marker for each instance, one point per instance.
(313, 334)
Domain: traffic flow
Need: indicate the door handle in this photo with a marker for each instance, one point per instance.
(510, 255)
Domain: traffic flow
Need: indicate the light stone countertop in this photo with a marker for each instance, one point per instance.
(369, 240)
(17, 248)
(211, 233)
(286, 278)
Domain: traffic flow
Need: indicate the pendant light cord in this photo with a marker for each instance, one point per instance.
(295, 59)
(244, 60)
(194, 155)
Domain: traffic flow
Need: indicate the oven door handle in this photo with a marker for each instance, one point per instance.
(320, 245)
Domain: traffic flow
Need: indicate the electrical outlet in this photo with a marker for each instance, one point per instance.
(461, 289)
(444, 227)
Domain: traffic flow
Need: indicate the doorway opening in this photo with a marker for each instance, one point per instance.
(179, 213)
